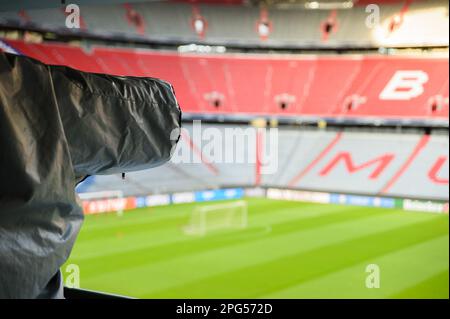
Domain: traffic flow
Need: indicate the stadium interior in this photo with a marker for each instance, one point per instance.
(357, 93)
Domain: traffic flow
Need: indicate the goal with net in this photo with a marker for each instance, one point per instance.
(207, 218)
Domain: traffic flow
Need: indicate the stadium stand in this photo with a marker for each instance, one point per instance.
(308, 159)
(402, 165)
(370, 88)
(360, 88)
(293, 26)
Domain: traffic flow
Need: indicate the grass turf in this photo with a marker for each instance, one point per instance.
(289, 250)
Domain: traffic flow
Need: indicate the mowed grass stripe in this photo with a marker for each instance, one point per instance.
(184, 270)
(277, 274)
(146, 237)
(435, 287)
(408, 272)
(300, 221)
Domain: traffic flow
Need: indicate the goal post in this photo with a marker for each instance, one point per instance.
(207, 218)
(104, 201)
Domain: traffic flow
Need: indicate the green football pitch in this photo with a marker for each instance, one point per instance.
(288, 250)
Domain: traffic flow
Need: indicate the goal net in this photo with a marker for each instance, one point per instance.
(102, 202)
(207, 218)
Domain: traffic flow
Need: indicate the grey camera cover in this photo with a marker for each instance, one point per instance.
(58, 125)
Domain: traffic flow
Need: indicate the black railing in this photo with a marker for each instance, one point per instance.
(76, 293)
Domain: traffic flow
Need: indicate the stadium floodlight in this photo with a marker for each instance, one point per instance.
(104, 201)
(207, 218)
